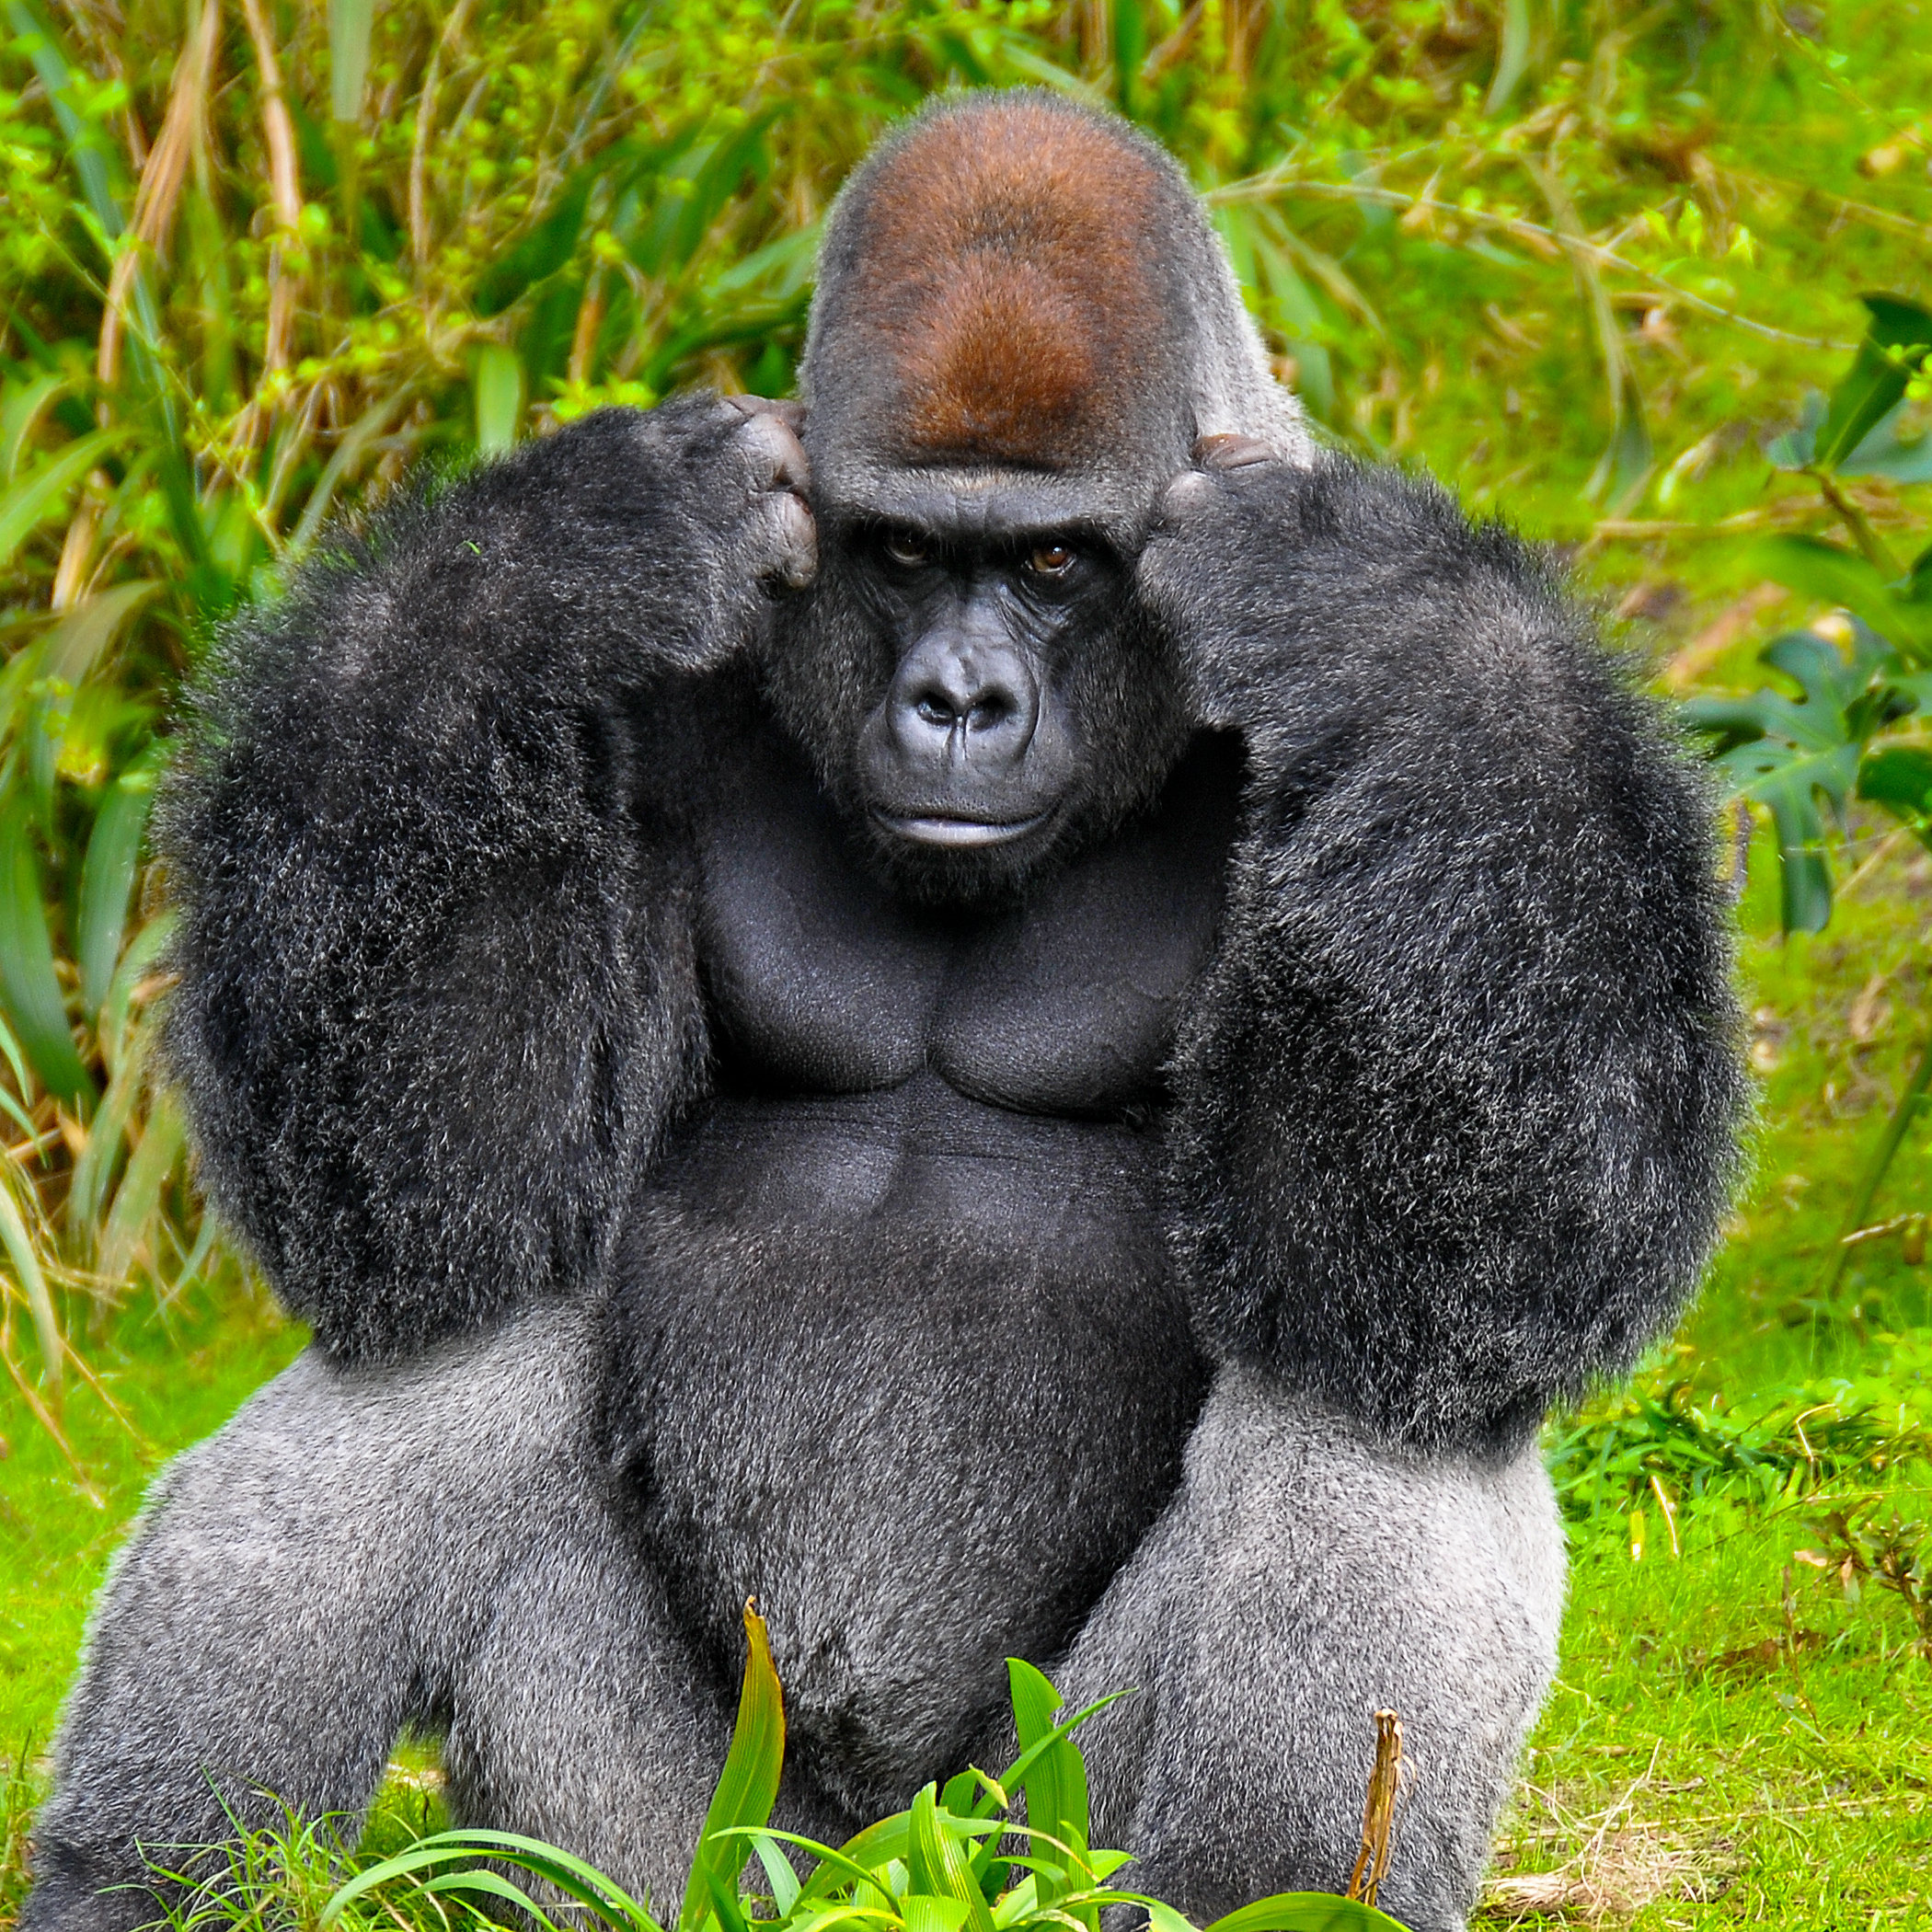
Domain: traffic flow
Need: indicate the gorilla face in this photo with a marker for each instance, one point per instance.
(979, 689)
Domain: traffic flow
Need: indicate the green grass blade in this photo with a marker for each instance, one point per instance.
(108, 878)
(938, 1866)
(498, 384)
(31, 987)
(349, 22)
(748, 1785)
(138, 1199)
(17, 1238)
(44, 489)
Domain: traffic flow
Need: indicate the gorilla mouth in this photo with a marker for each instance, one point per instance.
(958, 834)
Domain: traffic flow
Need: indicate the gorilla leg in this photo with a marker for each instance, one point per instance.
(1302, 1579)
(353, 1552)
(580, 1722)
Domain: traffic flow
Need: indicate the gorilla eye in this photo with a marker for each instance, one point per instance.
(906, 549)
(1051, 560)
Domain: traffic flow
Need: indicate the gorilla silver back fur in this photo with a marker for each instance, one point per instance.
(1180, 1255)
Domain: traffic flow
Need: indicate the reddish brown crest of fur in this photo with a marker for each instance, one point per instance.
(1010, 253)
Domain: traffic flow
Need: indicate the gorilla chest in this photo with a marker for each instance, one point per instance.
(824, 981)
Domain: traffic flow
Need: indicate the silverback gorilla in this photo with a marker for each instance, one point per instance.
(1041, 1022)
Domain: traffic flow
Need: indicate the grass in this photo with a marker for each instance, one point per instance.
(1733, 1739)
(1582, 255)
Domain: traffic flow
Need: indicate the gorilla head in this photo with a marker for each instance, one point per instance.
(1023, 330)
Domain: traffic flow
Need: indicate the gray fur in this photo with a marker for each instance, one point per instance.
(439, 1544)
(515, 835)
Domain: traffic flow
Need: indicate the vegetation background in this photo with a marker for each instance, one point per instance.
(1584, 258)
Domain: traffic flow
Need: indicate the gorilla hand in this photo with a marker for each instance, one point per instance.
(778, 535)
(1211, 569)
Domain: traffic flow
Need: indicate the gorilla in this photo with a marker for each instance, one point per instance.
(1011, 1009)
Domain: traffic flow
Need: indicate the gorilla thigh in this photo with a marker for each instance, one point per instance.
(1305, 1576)
(358, 1551)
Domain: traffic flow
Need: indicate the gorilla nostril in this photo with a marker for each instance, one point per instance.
(990, 711)
(936, 709)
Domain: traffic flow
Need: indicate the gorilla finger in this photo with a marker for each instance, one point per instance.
(775, 451)
(1230, 451)
(797, 532)
(1192, 489)
(789, 412)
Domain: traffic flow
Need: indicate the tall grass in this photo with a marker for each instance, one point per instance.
(257, 257)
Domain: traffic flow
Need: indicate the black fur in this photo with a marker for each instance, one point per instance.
(1456, 1107)
(438, 997)
(1157, 1264)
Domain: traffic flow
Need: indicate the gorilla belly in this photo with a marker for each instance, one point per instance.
(914, 1374)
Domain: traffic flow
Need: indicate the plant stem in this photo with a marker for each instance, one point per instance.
(1881, 1157)
(1871, 545)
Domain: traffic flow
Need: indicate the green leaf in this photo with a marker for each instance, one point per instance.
(1057, 1785)
(1843, 581)
(1795, 448)
(923, 1911)
(28, 980)
(107, 879)
(1306, 1911)
(66, 654)
(545, 249)
(572, 1875)
(1899, 777)
(139, 1196)
(18, 1239)
(748, 1785)
(1895, 343)
(1881, 454)
(1130, 50)
(43, 489)
(939, 1867)
(498, 384)
(349, 22)
(1511, 56)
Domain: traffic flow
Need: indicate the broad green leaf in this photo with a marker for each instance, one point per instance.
(923, 1911)
(1834, 577)
(27, 979)
(43, 490)
(1057, 1785)
(1795, 448)
(1881, 454)
(1878, 378)
(1306, 1911)
(748, 1785)
(938, 1866)
(1899, 777)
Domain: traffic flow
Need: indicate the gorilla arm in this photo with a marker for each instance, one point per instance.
(1457, 1102)
(437, 994)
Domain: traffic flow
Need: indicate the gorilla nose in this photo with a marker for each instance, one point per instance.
(956, 700)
